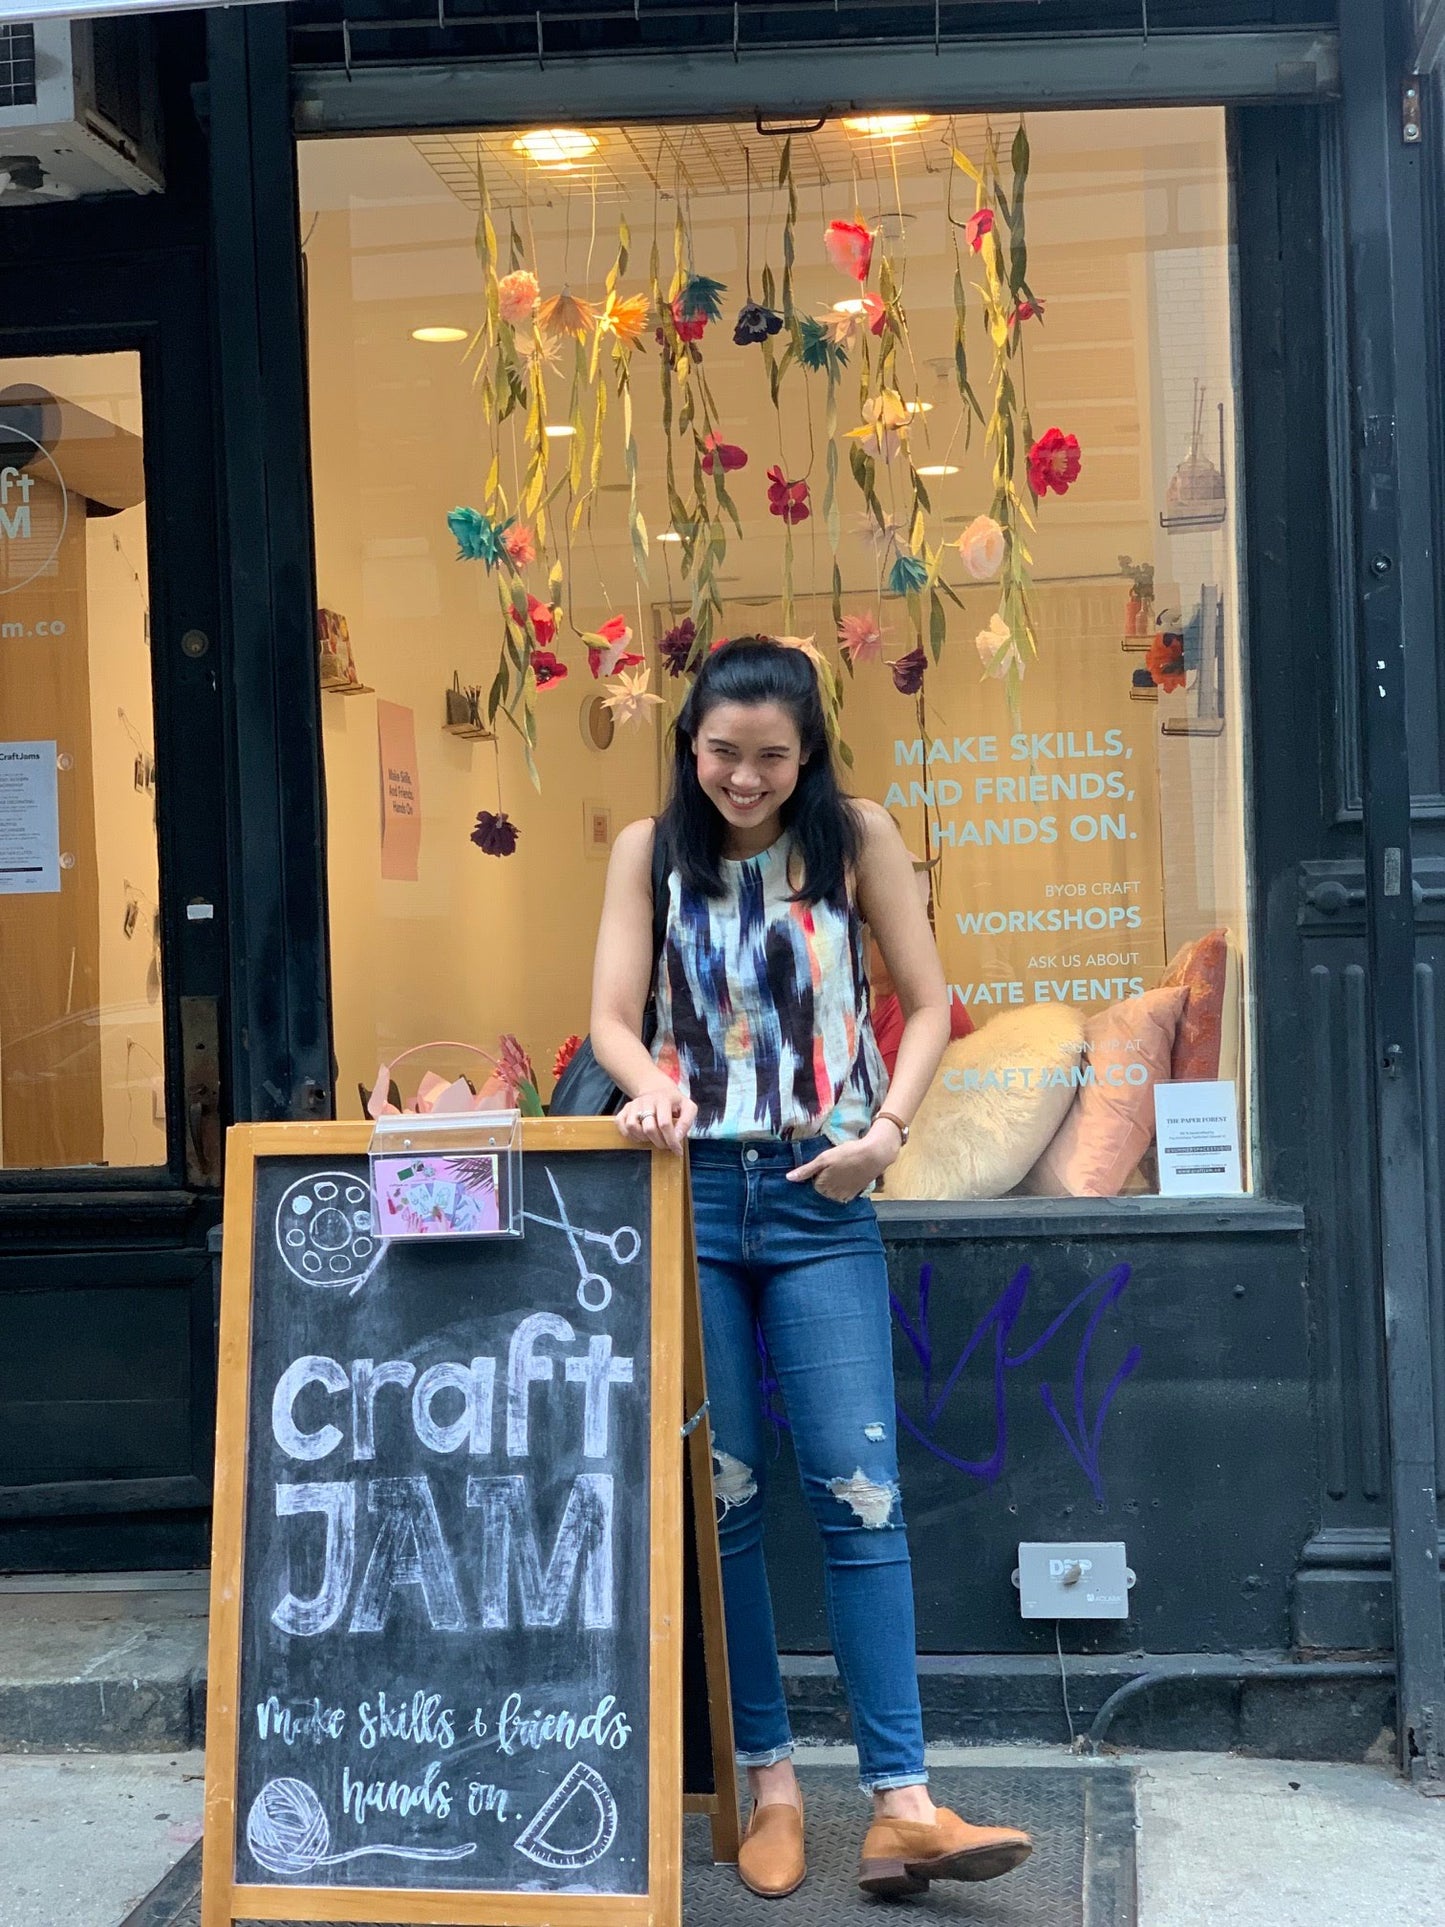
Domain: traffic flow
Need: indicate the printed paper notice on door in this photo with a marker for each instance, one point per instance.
(1198, 1131)
(29, 820)
(400, 792)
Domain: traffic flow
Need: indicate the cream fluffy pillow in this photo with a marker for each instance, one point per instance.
(996, 1102)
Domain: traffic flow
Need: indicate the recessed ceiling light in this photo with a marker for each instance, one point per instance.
(558, 431)
(886, 127)
(438, 334)
(848, 307)
(555, 146)
(940, 468)
(919, 407)
(669, 535)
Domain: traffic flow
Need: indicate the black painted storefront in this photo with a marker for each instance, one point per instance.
(1218, 1391)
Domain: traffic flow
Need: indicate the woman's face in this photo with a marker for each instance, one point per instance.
(748, 756)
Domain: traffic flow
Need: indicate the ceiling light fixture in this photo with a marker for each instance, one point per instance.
(886, 127)
(558, 431)
(939, 468)
(438, 334)
(919, 407)
(669, 535)
(848, 307)
(555, 146)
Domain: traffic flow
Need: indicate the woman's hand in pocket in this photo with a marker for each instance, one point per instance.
(661, 1117)
(844, 1171)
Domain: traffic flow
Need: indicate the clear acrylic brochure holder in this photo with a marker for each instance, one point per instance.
(447, 1175)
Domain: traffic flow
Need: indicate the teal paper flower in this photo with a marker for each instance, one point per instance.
(907, 573)
(818, 352)
(478, 539)
(701, 299)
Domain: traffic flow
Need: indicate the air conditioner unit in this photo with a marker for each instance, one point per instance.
(79, 110)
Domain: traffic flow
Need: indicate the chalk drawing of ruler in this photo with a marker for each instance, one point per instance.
(594, 1292)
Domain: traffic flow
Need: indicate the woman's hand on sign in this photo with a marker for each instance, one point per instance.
(843, 1171)
(660, 1116)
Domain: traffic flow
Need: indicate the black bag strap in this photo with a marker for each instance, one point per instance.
(660, 872)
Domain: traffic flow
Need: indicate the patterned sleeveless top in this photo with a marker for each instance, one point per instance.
(762, 1007)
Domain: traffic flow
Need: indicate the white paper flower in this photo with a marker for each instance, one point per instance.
(981, 546)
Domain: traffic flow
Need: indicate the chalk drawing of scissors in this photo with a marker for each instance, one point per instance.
(622, 1246)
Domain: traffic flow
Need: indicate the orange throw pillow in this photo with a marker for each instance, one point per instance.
(1200, 968)
(1110, 1124)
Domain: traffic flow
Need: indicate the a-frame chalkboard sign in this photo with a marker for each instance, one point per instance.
(453, 1599)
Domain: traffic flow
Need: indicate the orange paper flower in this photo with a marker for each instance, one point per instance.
(624, 316)
(566, 317)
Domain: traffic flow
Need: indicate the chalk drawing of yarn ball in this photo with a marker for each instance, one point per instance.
(286, 1829)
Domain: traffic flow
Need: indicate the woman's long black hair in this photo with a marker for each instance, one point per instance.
(822, 820)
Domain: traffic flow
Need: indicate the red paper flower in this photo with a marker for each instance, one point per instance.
(876, 312)
(688, 327)
(514, 1066)
(786, 499)
(546, 668)
(520, 544)
(908, 672)
(724, 455)
(676, 646)
(1165, 661)
(566, 1051)
(1054, 462)
(613, 653)
(850, 247)
(977, 225)
(1026, 311)
(720, 643)
(543, 618)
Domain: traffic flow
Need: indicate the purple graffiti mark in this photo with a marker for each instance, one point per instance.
(1083, 1438)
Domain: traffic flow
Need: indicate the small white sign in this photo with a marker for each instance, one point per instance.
(1198, 1132)
(29, 820)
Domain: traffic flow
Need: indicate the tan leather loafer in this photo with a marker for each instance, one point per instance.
(770, 1860)
(902, 1856)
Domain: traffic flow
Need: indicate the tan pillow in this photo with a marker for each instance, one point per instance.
(1111, 1126)
(1011, 1083)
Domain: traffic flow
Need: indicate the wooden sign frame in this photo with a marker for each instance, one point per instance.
(676, 1390)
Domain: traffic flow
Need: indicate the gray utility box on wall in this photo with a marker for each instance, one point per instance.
(79, 110)
(1074, 1581)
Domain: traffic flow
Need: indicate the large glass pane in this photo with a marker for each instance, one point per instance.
(81, 1039)
(1059, 734)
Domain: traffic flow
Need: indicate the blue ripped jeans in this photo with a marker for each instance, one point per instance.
(783, 1260)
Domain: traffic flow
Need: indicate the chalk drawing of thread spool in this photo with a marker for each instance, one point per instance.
(324, 1231)
(583, 1782)
(287, 1833)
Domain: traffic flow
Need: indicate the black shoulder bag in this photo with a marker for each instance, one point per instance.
(584, 1089)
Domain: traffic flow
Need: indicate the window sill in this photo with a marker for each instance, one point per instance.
(1087, 1217)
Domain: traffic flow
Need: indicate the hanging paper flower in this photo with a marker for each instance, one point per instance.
(822, 346)
(547, 668)
(860, 638)
(686, 328)
(479, 539)
(837, 326)
(520, 544)
(629, 696)
(755, 323)
(1054, 462)
(1026, 311)
(517, 296)
(701, 297)
(977, 226)
(607, 649)
(877, 313)
(514, 1066)
(804, 645)
(997, 650)
(719, 642)
(885, 424)
(543, 619)
(676, 646)
(1165, 661)
(720, 454)
(908, 672)
(786, 499)
(882, 537)
(495, 833)
(982, 547)
(625, 316)
(849, 246)
(907, 573)
(566, 317)
(566, 1051)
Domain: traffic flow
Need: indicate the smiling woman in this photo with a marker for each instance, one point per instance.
(1037, 678)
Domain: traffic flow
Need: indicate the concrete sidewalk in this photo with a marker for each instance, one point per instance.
(1241, 1843)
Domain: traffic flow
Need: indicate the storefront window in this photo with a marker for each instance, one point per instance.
(769, 387)
(81, 1034)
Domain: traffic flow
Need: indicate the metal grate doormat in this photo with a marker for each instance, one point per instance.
(1081, 1873)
